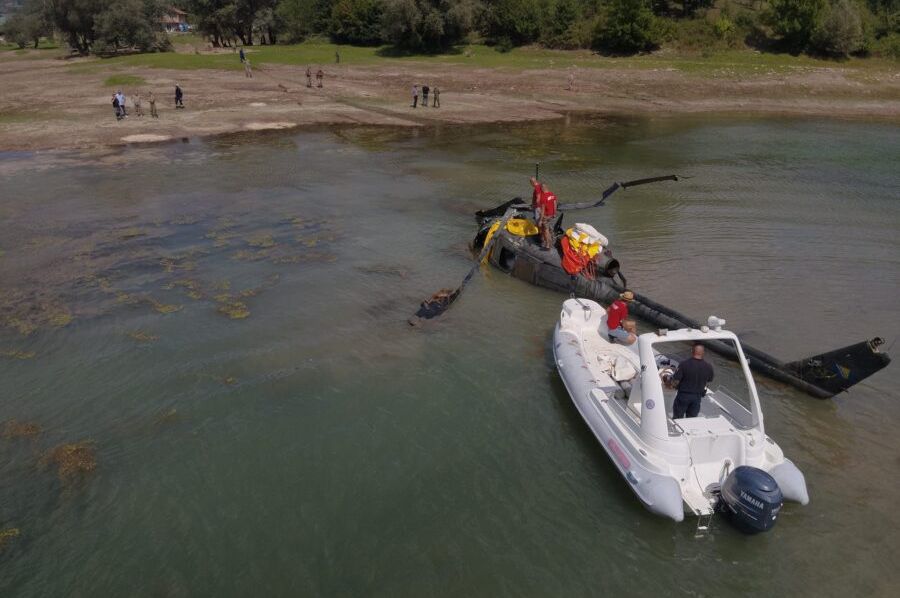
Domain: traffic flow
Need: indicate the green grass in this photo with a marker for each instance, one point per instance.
(117, 80)
(723, 63)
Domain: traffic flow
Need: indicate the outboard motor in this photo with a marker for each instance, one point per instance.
(752, 499)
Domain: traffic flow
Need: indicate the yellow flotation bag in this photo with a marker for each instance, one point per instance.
(584, 238)
(521, 227)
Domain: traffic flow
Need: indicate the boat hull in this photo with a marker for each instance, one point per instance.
(659, 493)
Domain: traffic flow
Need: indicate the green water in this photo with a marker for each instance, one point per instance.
(315, 444)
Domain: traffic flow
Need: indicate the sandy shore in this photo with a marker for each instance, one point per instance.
(52, 104)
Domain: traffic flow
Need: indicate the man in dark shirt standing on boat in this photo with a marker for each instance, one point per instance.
(691, 378)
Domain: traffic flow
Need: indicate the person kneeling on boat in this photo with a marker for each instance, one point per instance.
(616, 314)
(630, 327)
(691, 379)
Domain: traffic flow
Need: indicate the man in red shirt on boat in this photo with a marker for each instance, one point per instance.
(616, 314)
(547, 211)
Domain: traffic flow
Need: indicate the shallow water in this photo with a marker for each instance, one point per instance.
(224, 321)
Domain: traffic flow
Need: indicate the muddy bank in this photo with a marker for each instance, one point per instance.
(49, 104)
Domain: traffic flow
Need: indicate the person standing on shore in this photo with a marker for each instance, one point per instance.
(337, 56)
(179, 97)
(437, 98)
(247, 71)
(242, 54)
(320, 74)
(138, 110)
(115, 103)
(121, 97)
(308, 76)
(425, 91)
(415, 92)
(152, 99)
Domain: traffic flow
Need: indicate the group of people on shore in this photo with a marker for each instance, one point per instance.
(320, 76)
(425, 91)
(119, 103)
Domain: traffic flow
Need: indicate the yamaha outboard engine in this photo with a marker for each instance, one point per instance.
(752, 499)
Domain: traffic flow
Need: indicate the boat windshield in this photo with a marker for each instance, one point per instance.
(729, 393)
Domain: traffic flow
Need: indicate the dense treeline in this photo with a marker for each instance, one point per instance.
(823, 27)
(90, 25)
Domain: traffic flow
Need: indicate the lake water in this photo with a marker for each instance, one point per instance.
(222, 323)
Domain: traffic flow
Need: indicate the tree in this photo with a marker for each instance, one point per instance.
(557, 30)
(356, 21)
(128, 23)
(840, 31)
(629, 26)
(75, 20)
(511, 22)
(427, 25)
(28, 25)
(794, 20)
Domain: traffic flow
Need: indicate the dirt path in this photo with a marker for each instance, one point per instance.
(49, 104)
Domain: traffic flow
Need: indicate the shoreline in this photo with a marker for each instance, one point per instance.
(54, 106)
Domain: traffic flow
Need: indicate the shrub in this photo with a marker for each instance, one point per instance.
(356, 21)
(888, 46)
(724, 28)
(628, 27)
(510, 23)
(794, 21)
(559, 29)
(839, 31)
(427, 25)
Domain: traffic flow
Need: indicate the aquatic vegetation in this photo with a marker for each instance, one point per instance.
(184, 220)
(236, 310)
(169, 417)
(127, 298)
(71, 460)
(131, 233)
(16, 354)
(192, 287)
(143, 337)
(163, 308)
(220, 239)
(27, 312)
(16, 429)
(251, 256)
(177, 263)
(60, 318)
(8, 534)
(262, 241)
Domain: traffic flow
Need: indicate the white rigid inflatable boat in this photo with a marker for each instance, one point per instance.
(673, 466)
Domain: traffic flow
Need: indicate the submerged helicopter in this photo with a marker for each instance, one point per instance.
(508, 239)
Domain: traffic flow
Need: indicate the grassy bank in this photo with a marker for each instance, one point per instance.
(723, 63)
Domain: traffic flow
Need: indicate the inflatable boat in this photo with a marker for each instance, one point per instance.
(721, 459)
(515, 250)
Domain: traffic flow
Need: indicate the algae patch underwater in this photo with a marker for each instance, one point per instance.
(16, 429)
(71, 460)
